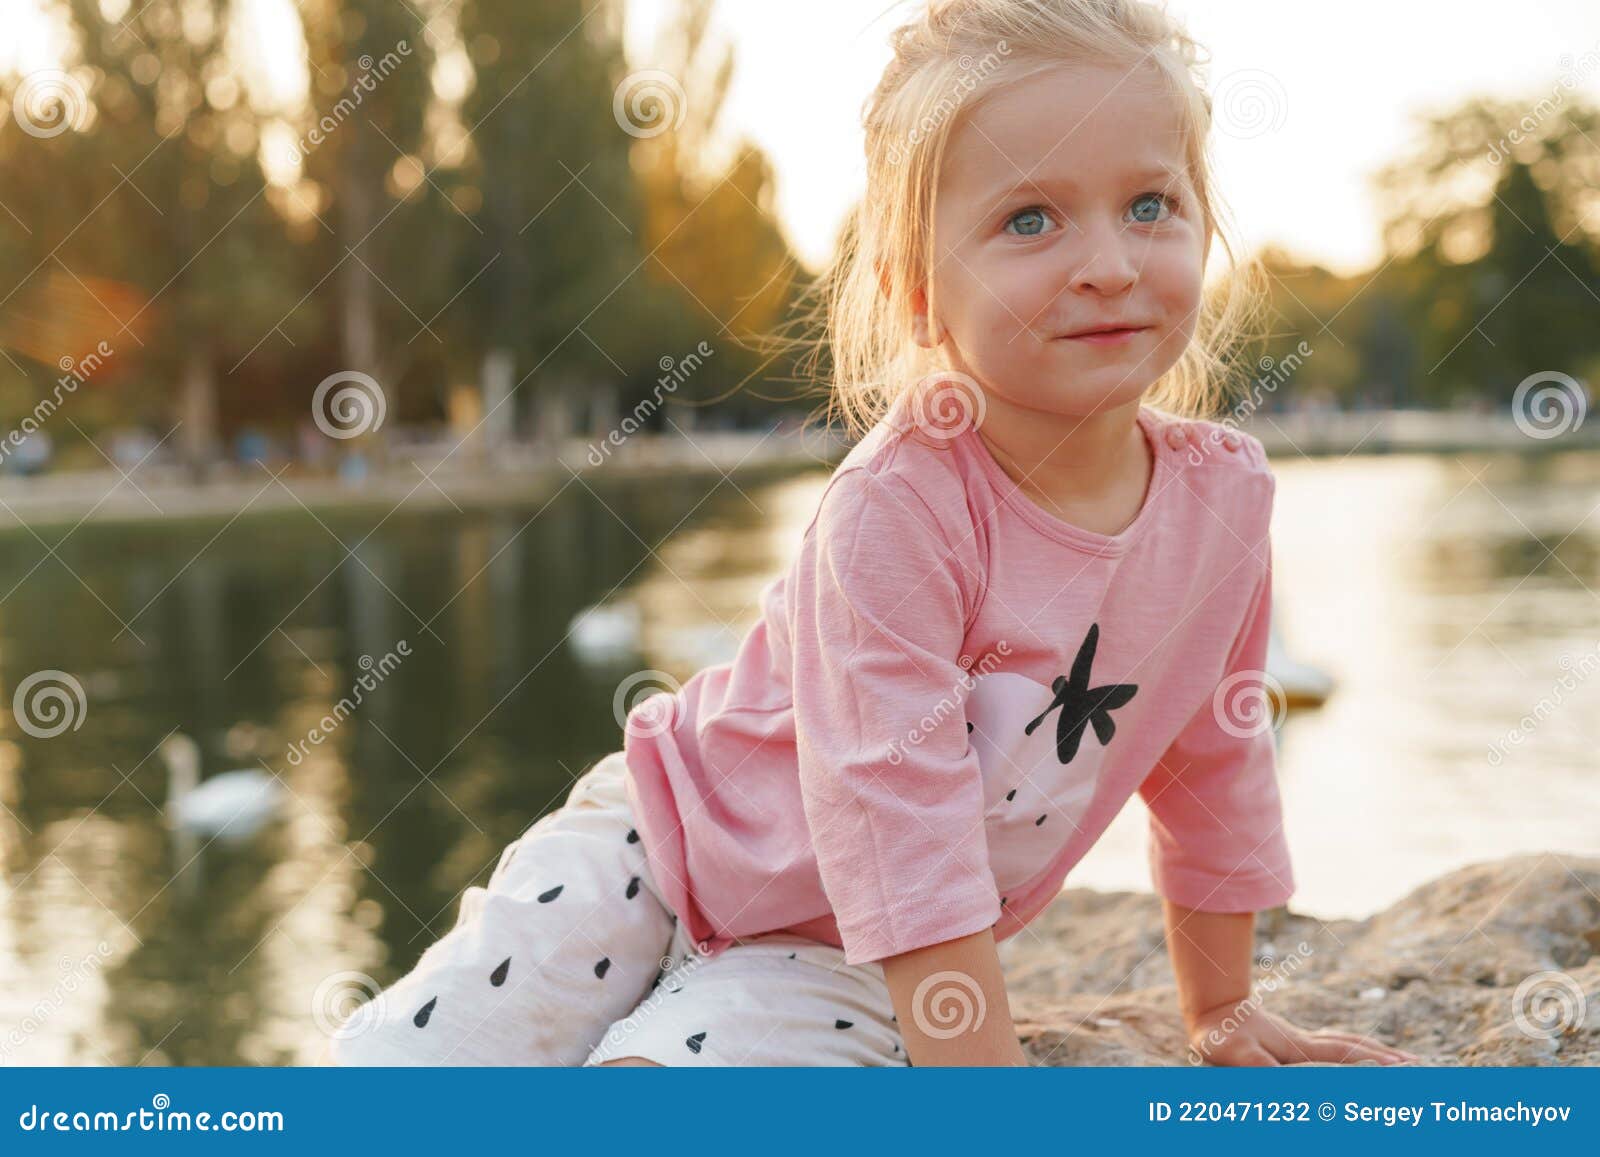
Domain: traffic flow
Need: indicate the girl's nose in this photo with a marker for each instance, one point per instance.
(1108, 265)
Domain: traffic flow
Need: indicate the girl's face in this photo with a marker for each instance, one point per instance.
(1064, 206)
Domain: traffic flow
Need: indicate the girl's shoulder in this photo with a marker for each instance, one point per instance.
(901, 476)
(1204, 443)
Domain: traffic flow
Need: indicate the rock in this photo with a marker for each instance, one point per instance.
(1493, 964)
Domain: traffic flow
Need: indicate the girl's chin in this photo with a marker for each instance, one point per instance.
(1080, 401)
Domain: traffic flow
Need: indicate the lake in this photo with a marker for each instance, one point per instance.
(1452, 597)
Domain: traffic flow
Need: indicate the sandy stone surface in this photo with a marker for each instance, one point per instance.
(1493, 964)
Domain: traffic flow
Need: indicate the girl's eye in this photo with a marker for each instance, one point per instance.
(1146, 207)
(1030, 222)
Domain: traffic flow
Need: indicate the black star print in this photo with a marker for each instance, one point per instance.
(1081, 704)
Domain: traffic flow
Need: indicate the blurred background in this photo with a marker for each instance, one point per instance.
(383, 409)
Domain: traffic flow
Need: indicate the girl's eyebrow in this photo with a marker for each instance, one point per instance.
(1160, 172)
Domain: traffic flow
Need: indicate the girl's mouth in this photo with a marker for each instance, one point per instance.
(1106, 336)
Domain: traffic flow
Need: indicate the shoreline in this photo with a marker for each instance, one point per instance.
(432, 477)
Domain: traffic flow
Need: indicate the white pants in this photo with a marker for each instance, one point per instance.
(571, 957)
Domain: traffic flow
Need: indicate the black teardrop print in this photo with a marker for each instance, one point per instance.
(633, 835)
(969, 727)
(600, 968)
(633, 887)
(1038, 821)
(1012, 794)
(843, 1023)
(1002, 901)
(695, 1041)
(498, 976)
(546, 897)
(894, 1018)
(423, 1013)
(791, 956)
(896, 1048)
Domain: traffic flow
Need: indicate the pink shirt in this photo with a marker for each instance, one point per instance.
(951, 693)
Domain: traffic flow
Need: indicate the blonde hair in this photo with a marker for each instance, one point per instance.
(861, 308)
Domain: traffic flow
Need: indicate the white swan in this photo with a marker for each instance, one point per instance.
(1303, 685)
(602, 634)
(230, 806)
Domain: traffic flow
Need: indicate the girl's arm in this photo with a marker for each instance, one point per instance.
(950, 1001)
(1224, 1021)
(1210, 954)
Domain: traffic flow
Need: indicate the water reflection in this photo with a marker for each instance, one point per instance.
(1444, 593)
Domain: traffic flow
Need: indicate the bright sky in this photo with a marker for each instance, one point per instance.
(1344, 76)
(1341, 79)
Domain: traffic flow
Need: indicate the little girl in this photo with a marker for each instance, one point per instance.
(1025, 596)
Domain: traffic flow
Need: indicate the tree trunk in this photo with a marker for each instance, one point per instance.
(197, 404)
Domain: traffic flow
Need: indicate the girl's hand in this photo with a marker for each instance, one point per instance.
(1231, 1035)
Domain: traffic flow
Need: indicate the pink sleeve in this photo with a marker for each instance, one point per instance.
(892, 791)
(1216, 821)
